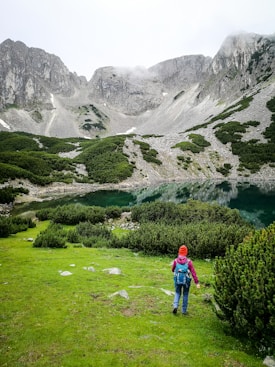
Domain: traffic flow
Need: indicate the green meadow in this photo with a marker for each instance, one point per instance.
(78, 320)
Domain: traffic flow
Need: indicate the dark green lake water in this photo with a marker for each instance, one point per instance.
(255, 201)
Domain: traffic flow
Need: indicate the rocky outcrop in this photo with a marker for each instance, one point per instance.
(30, 75)
(181, 73)
(243, 62)
(39, 94)
(131, 91)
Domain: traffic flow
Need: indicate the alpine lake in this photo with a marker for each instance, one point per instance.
(254, 200)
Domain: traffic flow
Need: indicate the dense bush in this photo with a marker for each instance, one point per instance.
(90, 235)
(16, 141)
(113, 211)
(204, 240)
(11, 225)
(229, 132)
(199, 140)
(187, 145)
(9, 193)
(54, 236)
(190, 212)
(105, 160)
(271, 104)
(148, 154)
(87, 229)
(245, 287)
(72, 214)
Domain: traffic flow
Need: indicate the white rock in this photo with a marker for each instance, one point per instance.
(121, 293)
(112, 270)
(66, 273)
(269, 361)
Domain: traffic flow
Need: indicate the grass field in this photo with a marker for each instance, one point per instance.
(52, 320)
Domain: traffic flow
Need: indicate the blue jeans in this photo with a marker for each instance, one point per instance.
(184, 289)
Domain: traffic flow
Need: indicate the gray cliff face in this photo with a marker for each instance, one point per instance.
(39, 94)
(182, 72)
(133, 91)
(30, 75)
(130, 91)
(242, 62)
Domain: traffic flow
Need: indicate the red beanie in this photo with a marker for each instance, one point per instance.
(183, 250)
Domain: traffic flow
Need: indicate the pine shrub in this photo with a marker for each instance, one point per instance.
(54, 237)
(245, 288)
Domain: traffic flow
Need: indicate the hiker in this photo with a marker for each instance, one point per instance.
(182, 267)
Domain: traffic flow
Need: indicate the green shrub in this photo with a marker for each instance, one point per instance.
(187, 145)
(271, 104)
(225, 169)
(9, 193)
(13, 142)
(12, 225)
(245, 287)
(73, 236)
(199, 140)
(190, 212)
(113, 212)
(87, 229)
(229, 132)
(204, 240)
(54, 237)
(105, 160)
(148, 154)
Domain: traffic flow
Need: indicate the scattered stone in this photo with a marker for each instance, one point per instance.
(72, 265)
(112, 271)
(121, 293)
(89, 268)
(207, 297)
(269, 361)
(65, 273)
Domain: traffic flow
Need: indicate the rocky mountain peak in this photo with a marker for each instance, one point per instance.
(243, 61)
(130, 90)
(39, 94)
(30, 75)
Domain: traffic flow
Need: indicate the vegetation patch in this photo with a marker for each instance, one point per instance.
(148, 154)
(93, 113)
(239, 106)
(9, 193)
(252, 154)
(78, 313)
(104, 160)
(196, 146)
(225, 169)
(249, 266)
(36, 158)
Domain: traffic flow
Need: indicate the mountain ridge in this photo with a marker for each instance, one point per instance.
(168, 102)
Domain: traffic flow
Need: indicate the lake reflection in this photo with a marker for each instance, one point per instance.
(255, 201)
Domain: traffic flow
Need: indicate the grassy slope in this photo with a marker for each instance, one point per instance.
(50, 320)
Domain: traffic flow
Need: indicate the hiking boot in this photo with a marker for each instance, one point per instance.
(175, 311)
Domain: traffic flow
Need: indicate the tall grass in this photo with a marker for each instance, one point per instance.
(51, 320)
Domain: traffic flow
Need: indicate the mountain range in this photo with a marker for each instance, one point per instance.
(163, 103)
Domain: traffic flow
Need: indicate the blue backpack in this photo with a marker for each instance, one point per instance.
(182, 276)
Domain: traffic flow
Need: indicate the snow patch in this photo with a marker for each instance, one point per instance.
(4, 124)
(130, 131)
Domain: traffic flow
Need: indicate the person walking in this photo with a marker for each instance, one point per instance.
(182, 267)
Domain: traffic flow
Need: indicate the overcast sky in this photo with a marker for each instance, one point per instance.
(88, 34)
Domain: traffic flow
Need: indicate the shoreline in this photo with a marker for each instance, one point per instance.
(59, 189)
